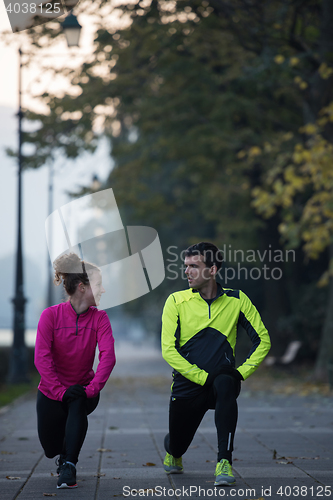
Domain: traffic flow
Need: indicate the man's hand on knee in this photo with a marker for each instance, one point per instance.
(224, 370)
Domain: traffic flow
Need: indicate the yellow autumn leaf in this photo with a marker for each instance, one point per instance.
(324, 280)
(293, 61)
(307, 156)
(278, 186)
(254, 151)
(297, 157)
(287, 201)
(322, 121)
(287, 136)
(325, 71)
(283, 228)
(309, 129)
(279, 59)
(241, 154)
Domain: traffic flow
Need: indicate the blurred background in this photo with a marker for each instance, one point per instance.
(211, 120)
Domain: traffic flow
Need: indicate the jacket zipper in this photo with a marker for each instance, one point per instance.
(77, 326)
(209, 315)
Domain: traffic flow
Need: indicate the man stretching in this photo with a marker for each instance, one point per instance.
(199, 329)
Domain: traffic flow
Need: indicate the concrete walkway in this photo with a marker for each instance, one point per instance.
(283, 445)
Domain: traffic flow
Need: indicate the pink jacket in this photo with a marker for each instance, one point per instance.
(65, 350)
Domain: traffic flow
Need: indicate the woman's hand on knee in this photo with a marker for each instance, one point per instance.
(74, 392)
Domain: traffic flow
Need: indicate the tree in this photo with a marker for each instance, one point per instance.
(301, 180)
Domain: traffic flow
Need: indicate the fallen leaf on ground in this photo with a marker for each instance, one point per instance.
(148, 464)
(99, 474)
(117, 478)
(49, 494)
(102, 450)
(12, 477)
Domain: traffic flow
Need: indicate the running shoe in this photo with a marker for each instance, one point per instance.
(67, 477)
(173, 465)
(60, 461)
(223, 473)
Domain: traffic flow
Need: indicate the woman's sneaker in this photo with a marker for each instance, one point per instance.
(173, 465)
(60, 463)
(223, 473)
(67, 477)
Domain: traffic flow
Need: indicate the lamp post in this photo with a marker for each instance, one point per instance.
(49, 263)
(18, 361)
(72, 30)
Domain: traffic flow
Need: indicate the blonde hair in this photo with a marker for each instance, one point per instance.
(71, 270)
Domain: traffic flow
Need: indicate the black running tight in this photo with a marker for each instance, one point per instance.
(62, 427)
(186, 414)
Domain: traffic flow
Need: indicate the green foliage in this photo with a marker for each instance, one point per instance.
(10, 392)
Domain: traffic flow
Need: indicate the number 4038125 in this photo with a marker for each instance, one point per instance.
(33, 8)
(304, 491)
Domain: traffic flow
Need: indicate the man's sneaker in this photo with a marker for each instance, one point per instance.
(223, 473)
(60, 462)
(67, 477)
(173, 465)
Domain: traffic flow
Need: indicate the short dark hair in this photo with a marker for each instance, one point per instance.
(212, 255)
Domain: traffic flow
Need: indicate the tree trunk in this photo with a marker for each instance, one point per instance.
(320, 96)
(325, 353)
(277, 304)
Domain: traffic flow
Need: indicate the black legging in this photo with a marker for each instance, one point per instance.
(62, 427)
(186, 414)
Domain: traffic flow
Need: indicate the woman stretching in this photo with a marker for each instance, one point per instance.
(67, 336)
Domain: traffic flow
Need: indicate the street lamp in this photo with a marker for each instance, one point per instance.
(72, 30)
(95, 183)
(18, 361)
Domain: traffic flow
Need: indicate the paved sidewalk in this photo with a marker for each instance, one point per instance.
(283, 445)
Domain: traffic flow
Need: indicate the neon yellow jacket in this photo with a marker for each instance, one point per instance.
(198, 338)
